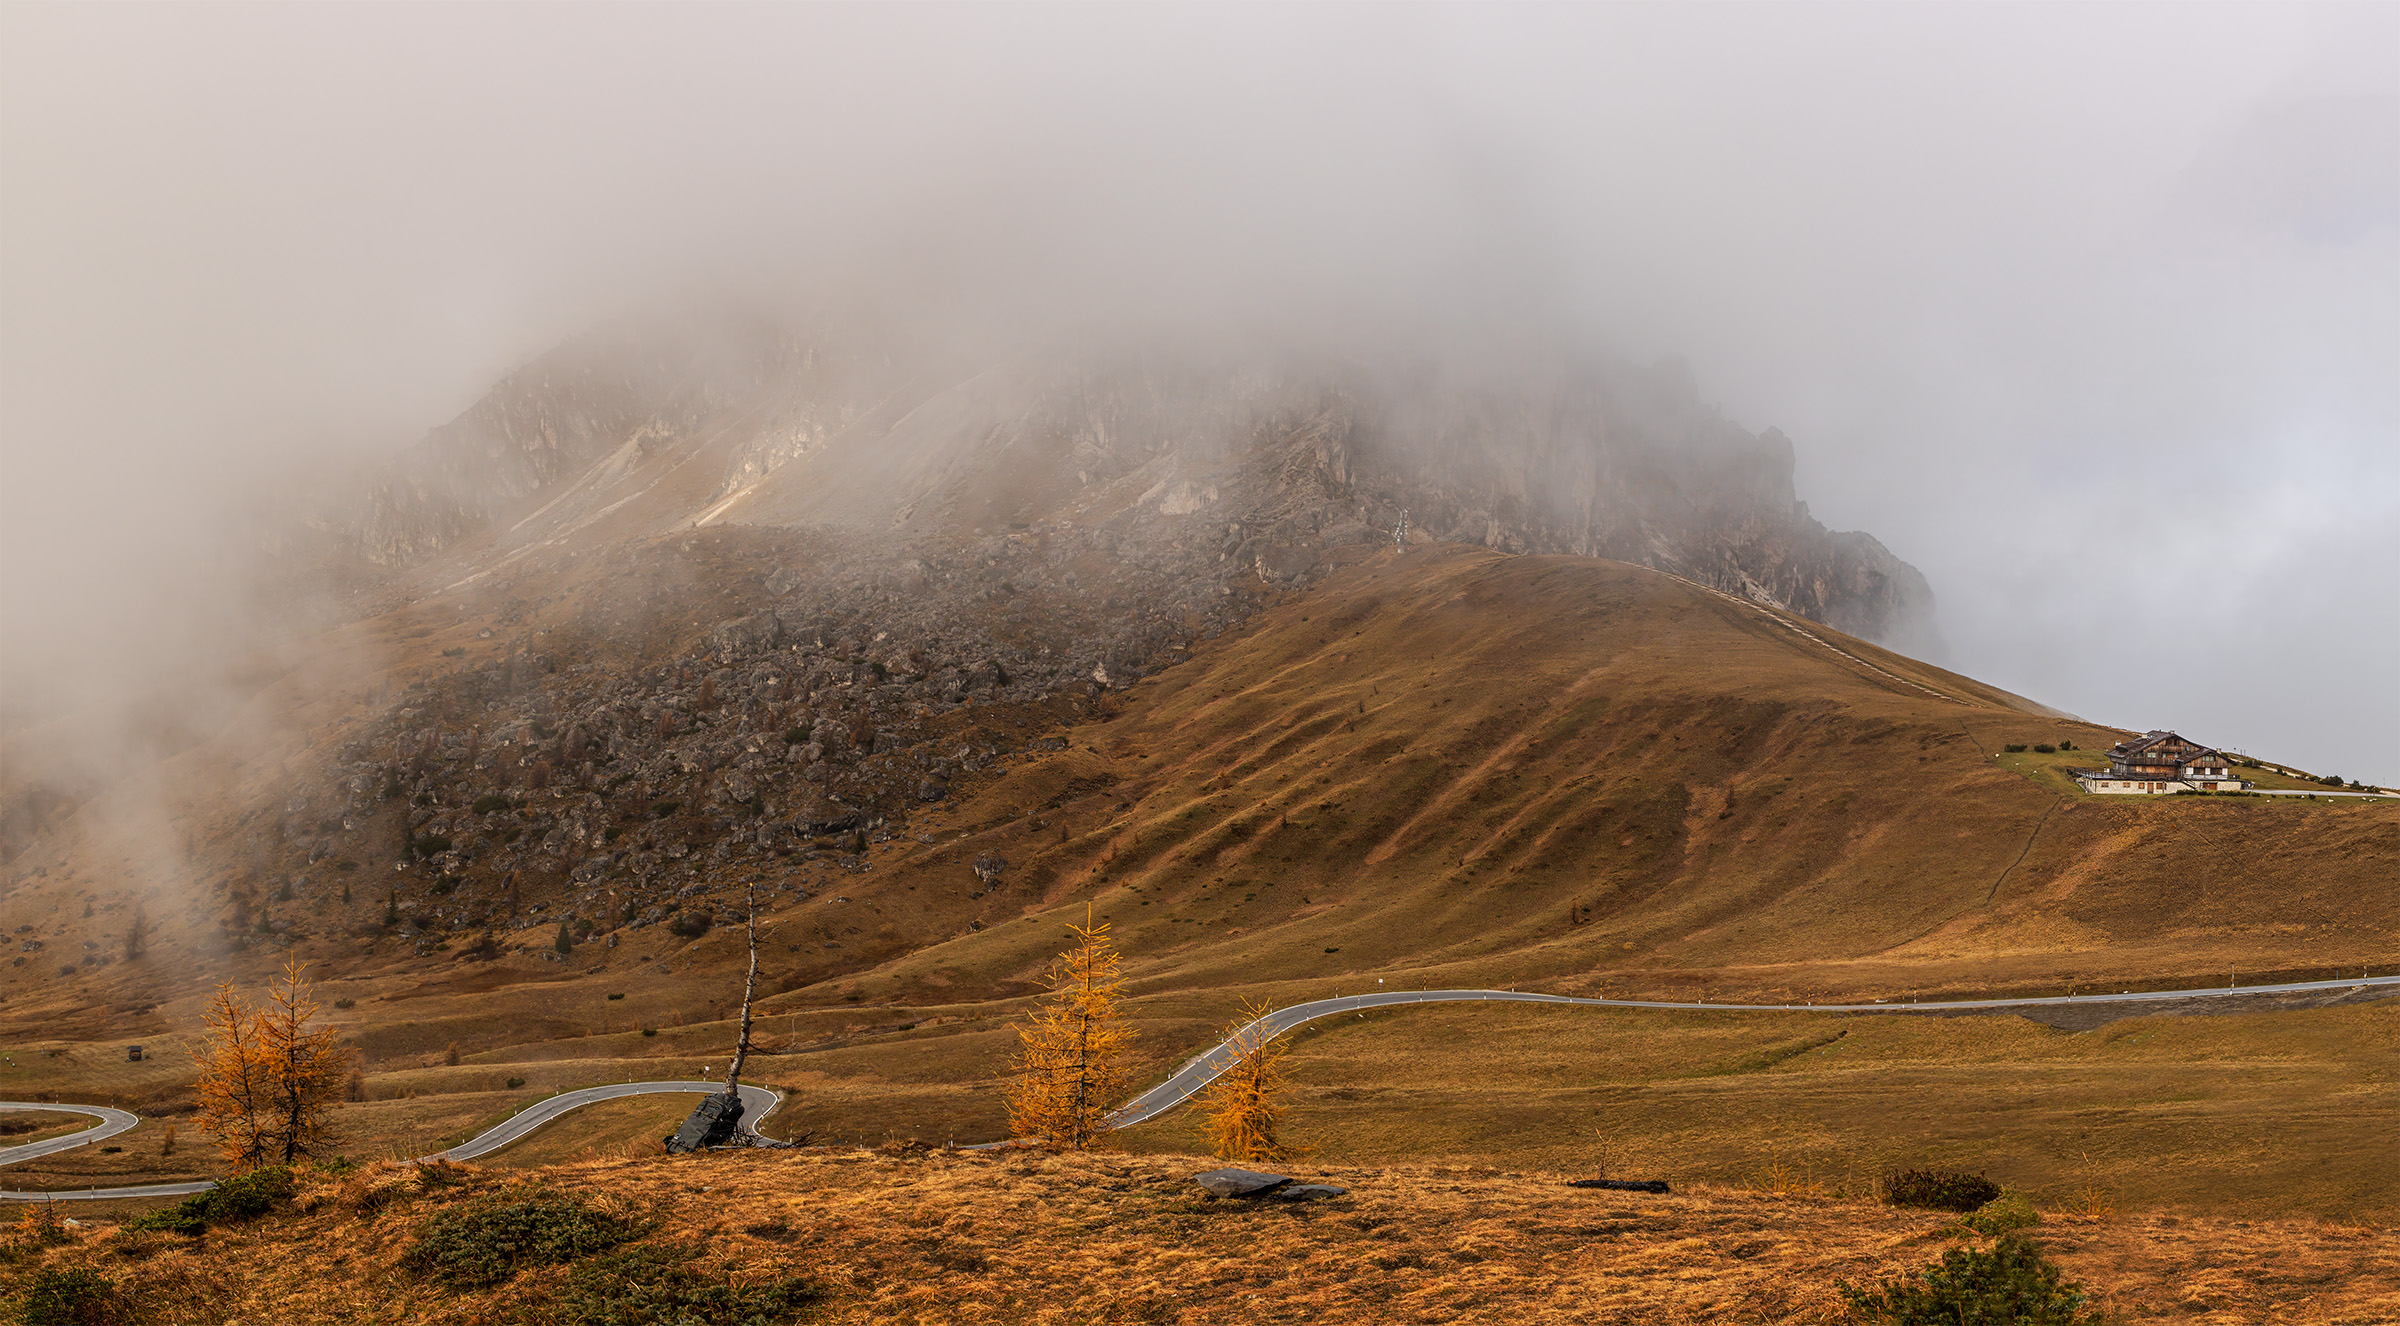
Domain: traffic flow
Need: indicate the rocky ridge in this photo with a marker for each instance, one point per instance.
(777, 428)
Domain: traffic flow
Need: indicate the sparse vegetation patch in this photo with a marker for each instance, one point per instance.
(657, 1286)
(484, 1241)
(1938, 1190)
(240, 1198)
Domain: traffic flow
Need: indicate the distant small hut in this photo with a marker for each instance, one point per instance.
(2160, 762)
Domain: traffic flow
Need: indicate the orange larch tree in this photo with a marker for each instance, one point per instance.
(1245, 1106)
(1072, 1056)
(270, 1080)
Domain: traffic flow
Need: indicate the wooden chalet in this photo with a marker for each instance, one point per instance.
(2161, 762)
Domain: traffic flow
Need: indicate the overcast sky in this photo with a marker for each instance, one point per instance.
(2089, 311)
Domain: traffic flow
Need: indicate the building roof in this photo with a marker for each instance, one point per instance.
(2125, 750)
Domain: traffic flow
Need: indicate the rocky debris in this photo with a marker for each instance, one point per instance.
(788, 733)
(715, 1121)
(1253, 1185)
(1621, 1185)
(989, 868)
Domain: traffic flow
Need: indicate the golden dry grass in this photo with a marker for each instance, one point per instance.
(1026, 1238)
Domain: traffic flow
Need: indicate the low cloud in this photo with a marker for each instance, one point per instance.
(2089, 312)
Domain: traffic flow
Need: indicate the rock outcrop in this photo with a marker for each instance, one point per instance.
(1290, 453)
(716, 1121)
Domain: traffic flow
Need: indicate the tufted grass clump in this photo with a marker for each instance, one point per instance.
(482, 1242)
(1938, 1190)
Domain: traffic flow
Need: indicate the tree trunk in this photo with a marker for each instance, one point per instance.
(741, 1046)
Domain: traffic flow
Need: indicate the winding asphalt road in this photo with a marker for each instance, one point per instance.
(1197, 1072)
(1204, 1067)
(112, 1122)
(757, 1104)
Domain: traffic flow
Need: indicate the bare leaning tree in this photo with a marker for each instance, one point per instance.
(717, 1120)
(741, 1044)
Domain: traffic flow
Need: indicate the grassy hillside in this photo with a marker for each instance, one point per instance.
(1471, 769)
(1443, 767)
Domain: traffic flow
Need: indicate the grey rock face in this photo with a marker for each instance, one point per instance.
(1294, 454)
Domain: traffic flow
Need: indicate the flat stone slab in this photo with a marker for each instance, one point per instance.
(1256, 1186)
(1621, 1185)
(1240, 1182)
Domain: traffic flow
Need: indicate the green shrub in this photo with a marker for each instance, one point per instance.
(656, 1286)
(618, 995)
(2012, 1284)
(2015, 748)
(1938, 1190)
(2044, 748)
(794, 737)
(479, 1243)
(690, 925)
(77, 1296)
(432, 844)
(649, 1031)
(485, 805)
(665, 808)
(345, 1003)
(515, 1082)
(2066, 745)
(242, 1197)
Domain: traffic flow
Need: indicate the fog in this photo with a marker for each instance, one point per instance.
(2090, 312)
